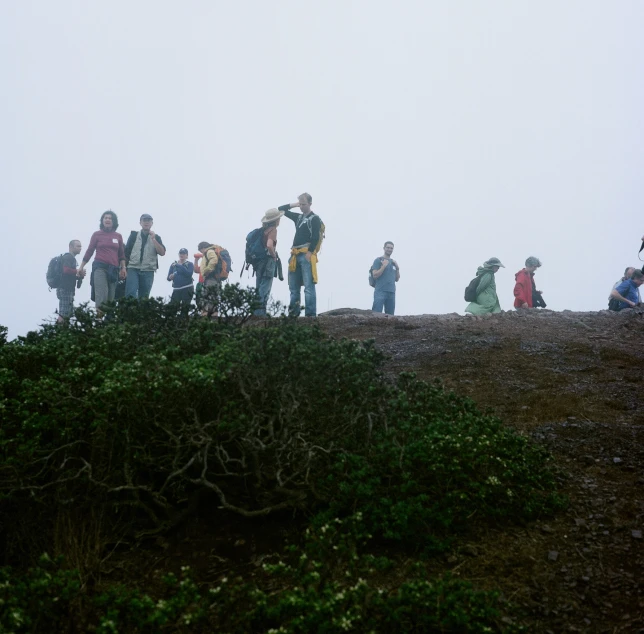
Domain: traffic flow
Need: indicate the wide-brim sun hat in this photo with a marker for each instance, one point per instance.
(494, 262)
(272, 215)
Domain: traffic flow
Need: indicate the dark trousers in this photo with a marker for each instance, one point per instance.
(182, 296)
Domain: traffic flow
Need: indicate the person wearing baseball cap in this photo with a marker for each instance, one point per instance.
(180, 274)
(487, 301)
(142, 253)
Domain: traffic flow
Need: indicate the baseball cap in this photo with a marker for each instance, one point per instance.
(146, 217)
(183, 251)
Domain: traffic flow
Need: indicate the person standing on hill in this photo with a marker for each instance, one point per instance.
(180, 274)
(302, 267)
(67, 289)
(386, 273)
(142, 253)
(109, 263)
(266, 269)
(524, 287)
(487, 301)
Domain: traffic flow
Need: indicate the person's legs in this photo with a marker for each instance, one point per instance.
(310, 299)
(378, 301)
(186, 297)
(294, 286)
(65, 304)
(146, 279)
(265, 284)
(211, 291)
(132, 283)
(101, 288)
(390, 303)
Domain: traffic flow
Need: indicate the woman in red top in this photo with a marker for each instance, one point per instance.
(109, 264)
(524, 280)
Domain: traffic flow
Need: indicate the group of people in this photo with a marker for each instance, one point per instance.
(128, 269)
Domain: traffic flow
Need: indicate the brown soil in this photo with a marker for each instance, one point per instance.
(573, 382)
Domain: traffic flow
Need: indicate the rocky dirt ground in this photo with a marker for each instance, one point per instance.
(573, 382)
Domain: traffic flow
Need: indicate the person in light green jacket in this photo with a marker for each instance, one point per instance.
(487, 301)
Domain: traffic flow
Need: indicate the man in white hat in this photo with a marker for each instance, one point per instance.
(267, 268)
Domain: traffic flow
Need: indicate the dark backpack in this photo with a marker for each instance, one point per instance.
(470, 290)
(55, 272)
(372, 279)
(255, 249)
(614, 304)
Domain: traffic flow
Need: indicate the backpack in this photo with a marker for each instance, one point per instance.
(308, 220)
(372, 280)
(470, 290)
(224, 264)
(614, 304)
(55, 272)
(255, 249)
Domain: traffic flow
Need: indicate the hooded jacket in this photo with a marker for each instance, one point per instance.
(523, 289)
(487, 301)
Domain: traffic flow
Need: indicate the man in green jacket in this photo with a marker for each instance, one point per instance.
(487, 301)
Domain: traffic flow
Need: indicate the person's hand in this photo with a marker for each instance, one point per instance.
(171, 276)
(81, 273)
(385, 264)
(308, 256)
(540, 292)
(152, 234)
(525, 305)
(122, 274)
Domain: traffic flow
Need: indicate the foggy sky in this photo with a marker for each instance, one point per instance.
(458, 130)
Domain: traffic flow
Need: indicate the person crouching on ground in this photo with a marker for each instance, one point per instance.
(524, 289)
(180, 274)
(386, 273)
(267, 269)
(109, 263)
(627, 293)
(627, 276)
(487, 301)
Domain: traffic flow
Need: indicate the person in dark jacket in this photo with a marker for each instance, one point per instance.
(302, 267)
(67, 289)
(524, 286)
(180, 274)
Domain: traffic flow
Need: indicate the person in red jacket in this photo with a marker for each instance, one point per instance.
(524, 283)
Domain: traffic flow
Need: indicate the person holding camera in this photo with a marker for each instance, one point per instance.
(180, 274)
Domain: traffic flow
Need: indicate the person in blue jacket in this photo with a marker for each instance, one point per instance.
(180, 274)
(627, 292)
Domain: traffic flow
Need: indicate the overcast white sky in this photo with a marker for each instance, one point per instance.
(459, 130)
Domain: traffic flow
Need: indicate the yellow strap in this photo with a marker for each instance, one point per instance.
(292, 263)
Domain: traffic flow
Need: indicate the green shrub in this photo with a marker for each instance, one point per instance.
(328, 585)
(130, 424)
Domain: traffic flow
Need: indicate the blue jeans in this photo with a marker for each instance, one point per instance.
(138, 283)
(303, 275)
(263, 284)
(384, 299)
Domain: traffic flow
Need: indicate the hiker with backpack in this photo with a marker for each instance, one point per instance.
(384, 274)
(142, 253)
(627, 293)
(215, 266)
(180, 274)
(302, 265)
(261, 254)
(63, 274)
(109, 263)
(481, 291)
(524, 292)
(613, 304)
